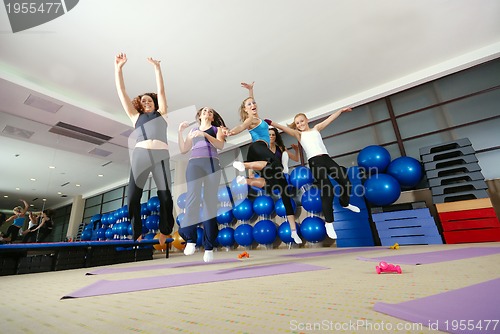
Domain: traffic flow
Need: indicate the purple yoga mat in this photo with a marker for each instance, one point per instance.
(453, 311)
(333, 252)
(435, 257)
(103, 271)
(105, 287)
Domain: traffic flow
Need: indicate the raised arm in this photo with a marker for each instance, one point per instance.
(243, 126)
(285, 129)
(120, 60)
(26, 207)
(249, 87)
(184, 145)
(160, 86)
(331, 118)
(218, 142)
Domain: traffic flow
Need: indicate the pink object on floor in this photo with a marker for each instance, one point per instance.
(384, 267)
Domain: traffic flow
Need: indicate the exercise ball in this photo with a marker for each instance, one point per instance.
(382, 189)
(239, 190)
(311, 200)
(130, 230)
(226, 237)
(95, 218)
(149, 236)
(144, 209)
(101, 233)
(243, 235)
(285, 232)
(313, 229)
(223, 194)
(280, 207)
(181, 200)
(180, 218)
(125, 212)
(374, 159)
(406, 170)
(109, 233)
(225, 215)
(158, 246)
(243, 209)
(263, 205)
(152, 222)
(178, 242)
(264, 232)
(301, 176)
(86, 235)
(153, 204)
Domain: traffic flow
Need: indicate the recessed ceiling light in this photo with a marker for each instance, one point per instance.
(59, 193)
(33, 179)
(52, 167)
(5, 196)
(77, 185)
(18, 189)
(44, 199)
(100, 175)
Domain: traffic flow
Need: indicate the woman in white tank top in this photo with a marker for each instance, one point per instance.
(321, 164)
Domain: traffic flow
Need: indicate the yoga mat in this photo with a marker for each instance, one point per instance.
(105, 287)
(435, 257)
(103, 271)
(473, 305)
(332, 252)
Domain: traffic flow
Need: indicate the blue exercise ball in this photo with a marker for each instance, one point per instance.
(280, 207)
(125, 212)
(382, 189)
(181, 200)
(225, 215)
(149, 236)
(243, 209)
(239, 190)
(374, 159)
(152, 222)
(101, 233)
(223, 194)
(126, 228)
(301, 176)
(226, 237)
(144, 209)
(111, 218)
(130, 229)
(263, 205)
(285, 232)
(86, 235)
(313, 229)
(153, 204)
(264, 232)
(311, 200)
(95, 218)
(179, 218)
(243, 235)
(109, 233)
(407, 170)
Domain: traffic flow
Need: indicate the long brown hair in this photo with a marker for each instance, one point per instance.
(279, 140)
(136, 102)
(218, 121)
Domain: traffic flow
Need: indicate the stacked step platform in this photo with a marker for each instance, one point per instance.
(459, 192)
(353, 229)
(405, 224)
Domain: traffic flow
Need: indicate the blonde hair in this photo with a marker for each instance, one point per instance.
(243, 113)
(292, 125)
(18, 209)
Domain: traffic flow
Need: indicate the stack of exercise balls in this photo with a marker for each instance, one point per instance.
(386, 178)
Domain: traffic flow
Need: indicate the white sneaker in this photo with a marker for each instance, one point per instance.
(239, 166)
(208, 256)
(241, 180)
(190, 248)
(330, 231)
(353, 208)
(296, 237)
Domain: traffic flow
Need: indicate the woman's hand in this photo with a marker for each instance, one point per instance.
(346, 109)
(120, 60)
(196, 133)
(247, 86)
(155, 62)
(295, 147)
(183, 126)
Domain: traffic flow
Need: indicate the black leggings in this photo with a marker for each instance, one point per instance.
(323, 166)
(272, 172)
(12, 232)
(146, 161)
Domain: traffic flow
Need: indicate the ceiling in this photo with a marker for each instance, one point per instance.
(304, 56)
